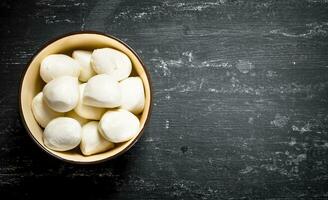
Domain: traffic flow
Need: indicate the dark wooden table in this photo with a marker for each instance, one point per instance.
(240, 105)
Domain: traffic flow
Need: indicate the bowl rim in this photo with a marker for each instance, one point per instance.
(47, 43)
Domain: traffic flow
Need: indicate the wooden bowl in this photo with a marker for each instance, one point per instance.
(32, 84)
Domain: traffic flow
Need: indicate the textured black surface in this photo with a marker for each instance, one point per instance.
(240, 99)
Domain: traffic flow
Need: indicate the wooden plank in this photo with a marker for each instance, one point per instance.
(240, 99)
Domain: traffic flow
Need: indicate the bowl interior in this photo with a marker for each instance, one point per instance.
(32, 84)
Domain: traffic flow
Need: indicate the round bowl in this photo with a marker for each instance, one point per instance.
(31, 84)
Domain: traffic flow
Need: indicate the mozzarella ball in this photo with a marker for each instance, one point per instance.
(102, 91)
(85, 111)
(62, 94)
(56, 65)
(112, 62)
(84, 59)
(72, 114)
(133, 95)
(62, 134)
(119, 125)
(42, 113)
(92, 142)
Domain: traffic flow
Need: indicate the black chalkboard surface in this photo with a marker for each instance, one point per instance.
(240, 99)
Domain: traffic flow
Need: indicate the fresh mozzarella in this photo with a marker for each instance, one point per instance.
(102, 91)
(62, 94)
(119, 125)
(62, 134)
(112, 62)
(133, 95)
(42, 113)
(56, 65)
(92, 142)
(84, 59)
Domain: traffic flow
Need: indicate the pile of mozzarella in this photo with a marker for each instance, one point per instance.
(89, 100)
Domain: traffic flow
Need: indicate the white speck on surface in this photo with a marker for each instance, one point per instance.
(167, 124)
(194, 6)
(325, 145)
(122, 14)
(201, 83)
(54, 19)
(294, 63)
(167, 97)
(149, 139)
(303, 129)
(317, 1)
(244, 66)
(213, 90)
(271, 74)
(190, 86)
(292, 141)
(216, 63)
(188, 60)
(312, 30)
(279, 121)
(83, 24)
(251, 120)
(189, 55)
(163, 67)
(211, 107)
(269, 167)
(247, 170)
(171, 63)
(299, 158)
(139, 51)
(175, 63)
(140, 15)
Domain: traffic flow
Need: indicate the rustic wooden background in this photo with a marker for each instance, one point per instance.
(240, 99)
